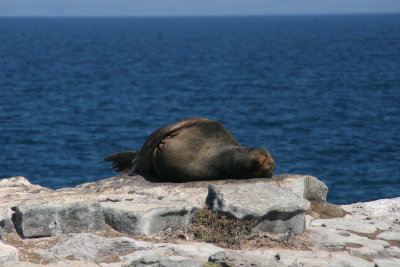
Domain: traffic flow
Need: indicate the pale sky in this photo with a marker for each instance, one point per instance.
(192, 7)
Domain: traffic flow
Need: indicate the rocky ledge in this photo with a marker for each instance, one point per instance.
(129, 221)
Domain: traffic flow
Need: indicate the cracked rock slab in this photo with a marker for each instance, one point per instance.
(147, 218)
(275, 209)
(89, 247)
(35, 219)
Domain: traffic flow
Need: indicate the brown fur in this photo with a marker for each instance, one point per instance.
(195, 149)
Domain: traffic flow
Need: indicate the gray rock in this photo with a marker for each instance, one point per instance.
(162, 258)
(8, 254)
(17, 190)
(315, 189)
(236, 259)
(34, 219)
(147, 218)
(6, 224)
(308, 187)
(89, 247)
(5, 220)
(275, 209)
(186, 254)
(193, 249)
(369, 231)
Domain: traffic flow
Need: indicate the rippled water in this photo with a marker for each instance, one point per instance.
(322, 93)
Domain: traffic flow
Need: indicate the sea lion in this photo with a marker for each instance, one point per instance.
(194, 149)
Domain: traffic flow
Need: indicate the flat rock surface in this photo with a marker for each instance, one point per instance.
(275, 209)
(147, 218)
(44, 212)
(361, 234)
(256, 200)
(16, 190)
(36, 219)
(8, 253)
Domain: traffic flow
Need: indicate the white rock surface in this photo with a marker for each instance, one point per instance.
(8, 254)
(348, 223)
(194, 249)
(377, 208)
(162, 257)
(390, 235)
(314, 258)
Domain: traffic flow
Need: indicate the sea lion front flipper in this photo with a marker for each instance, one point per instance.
(143, 161)
(122, 161)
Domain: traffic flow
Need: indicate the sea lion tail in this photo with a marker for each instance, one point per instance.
(122, 161)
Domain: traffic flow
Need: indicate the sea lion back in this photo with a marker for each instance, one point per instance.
(187, 153)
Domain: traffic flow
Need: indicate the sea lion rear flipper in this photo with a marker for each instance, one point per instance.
(122, 161)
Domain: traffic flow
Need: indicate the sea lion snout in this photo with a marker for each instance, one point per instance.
(264, 158)
(263, 161)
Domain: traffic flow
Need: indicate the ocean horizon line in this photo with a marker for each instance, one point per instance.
(204, 15)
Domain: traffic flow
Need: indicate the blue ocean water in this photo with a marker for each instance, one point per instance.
(322, 93)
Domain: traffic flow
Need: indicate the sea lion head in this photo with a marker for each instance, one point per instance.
(247, 162)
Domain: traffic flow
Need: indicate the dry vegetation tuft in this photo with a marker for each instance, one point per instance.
(215, 228)
(223, 231)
